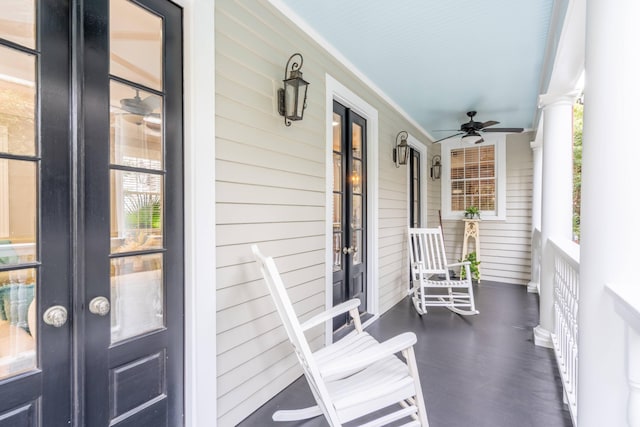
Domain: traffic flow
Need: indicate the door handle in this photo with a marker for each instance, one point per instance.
(100, 306)
(348, 250)
(55, 316)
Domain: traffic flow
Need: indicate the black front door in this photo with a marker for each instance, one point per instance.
(349, 209)
(415, 189)
(35, 242)
(91, 214)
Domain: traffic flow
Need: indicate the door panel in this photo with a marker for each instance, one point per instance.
(34, 214)
(356, 223)
(349, 208)
(110, 188)
(415, 189)
(135, 258)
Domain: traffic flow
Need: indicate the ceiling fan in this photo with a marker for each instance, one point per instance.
(471, 130)
(138, 110)
(139, 106)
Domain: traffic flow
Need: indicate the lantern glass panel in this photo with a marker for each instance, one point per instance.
(403, 150)
(302, 94)
(290, 98)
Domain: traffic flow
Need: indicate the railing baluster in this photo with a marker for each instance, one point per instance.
(565, 335)
(626, 298)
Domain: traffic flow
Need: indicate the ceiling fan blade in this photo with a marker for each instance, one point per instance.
(513, 130)
(153, 102)
(489, 123)
(450, 136)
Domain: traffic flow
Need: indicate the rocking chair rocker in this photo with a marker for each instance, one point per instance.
(355, 376)
(430, 270)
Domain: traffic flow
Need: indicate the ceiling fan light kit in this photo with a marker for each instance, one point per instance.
(470, 131)
(472, 137)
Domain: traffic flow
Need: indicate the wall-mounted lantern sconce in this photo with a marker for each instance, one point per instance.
(401, 150)
(436, 167)
(292, 100)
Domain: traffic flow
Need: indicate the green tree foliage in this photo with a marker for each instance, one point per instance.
(578, 109)
(143, 211)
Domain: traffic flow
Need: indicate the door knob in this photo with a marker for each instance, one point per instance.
(99, 306)
(55, 316)
(348, 250)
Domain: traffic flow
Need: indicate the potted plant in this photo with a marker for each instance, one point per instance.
(472, 257)
(472, 212)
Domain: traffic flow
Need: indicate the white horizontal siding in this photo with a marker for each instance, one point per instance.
(505, 246)
(270, 190)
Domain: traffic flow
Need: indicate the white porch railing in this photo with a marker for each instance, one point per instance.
(566, 262)
(627, 303)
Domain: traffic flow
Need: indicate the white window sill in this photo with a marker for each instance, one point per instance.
(483, 217)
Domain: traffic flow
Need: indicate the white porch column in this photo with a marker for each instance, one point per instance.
(536, 210)
(557, 190)
(609, 224)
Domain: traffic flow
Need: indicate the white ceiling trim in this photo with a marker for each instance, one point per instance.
(566, 70)
(569, 62)
(331, 50)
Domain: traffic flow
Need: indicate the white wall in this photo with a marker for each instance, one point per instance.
(505, 245)
(270, 190)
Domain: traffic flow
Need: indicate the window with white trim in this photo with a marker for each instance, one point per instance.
(474, 175)
(473, 178)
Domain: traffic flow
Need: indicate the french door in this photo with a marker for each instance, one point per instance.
(91, 213)
(415, 189)
(349, 209)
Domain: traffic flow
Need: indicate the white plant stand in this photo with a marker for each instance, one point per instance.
(471, 230)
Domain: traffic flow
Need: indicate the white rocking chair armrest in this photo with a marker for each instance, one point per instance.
(331, 313)
(356, 362)
(459, 264)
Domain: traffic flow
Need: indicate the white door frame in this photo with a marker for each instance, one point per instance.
(200, 213)
(338, 92)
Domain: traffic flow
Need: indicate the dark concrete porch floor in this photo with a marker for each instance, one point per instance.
(476, 371)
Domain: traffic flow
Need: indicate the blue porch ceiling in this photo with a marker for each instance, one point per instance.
(438, 59)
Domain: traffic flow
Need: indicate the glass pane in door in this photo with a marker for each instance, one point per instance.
(337, 132)
(18, 231)
(136, 295)
(136, 206)
(135, 127)
(135, 36)
(18, 22)
(17, 321)
(337, 232)
(18, 212)
(356, 140)
(356, 229)
(17, 102)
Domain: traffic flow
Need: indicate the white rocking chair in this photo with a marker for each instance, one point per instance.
(429, 269)
(355, 376)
